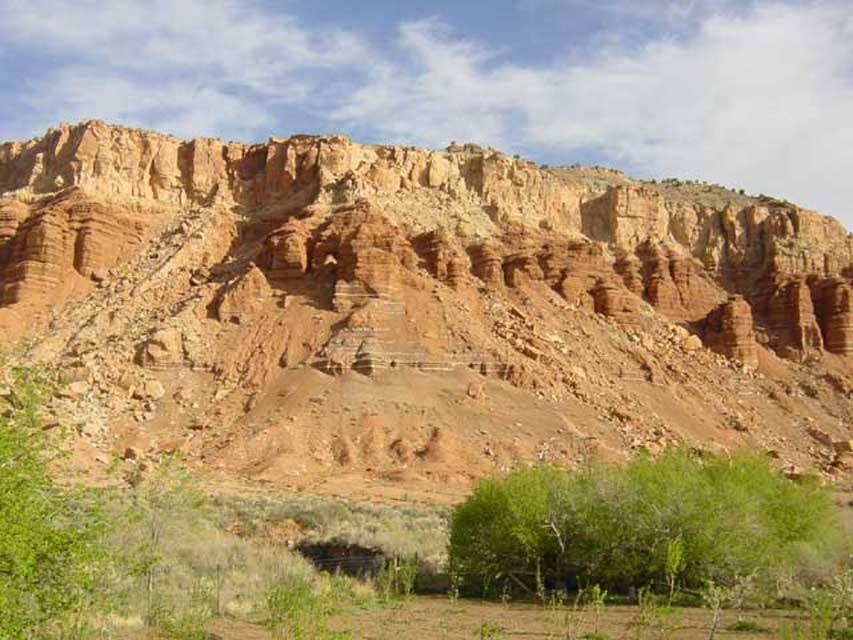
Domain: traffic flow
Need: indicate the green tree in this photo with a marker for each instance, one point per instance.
(506, 528)
(679, 519)
(50, 535)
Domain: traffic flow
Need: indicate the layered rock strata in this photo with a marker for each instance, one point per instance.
(833, 300)
(83, 196)
(287, 309)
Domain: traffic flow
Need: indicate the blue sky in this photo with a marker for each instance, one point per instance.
(751, 94)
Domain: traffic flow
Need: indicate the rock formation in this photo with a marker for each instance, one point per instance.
(790, 318)
(729, 331)
(487, 264)
(288, 303)
(834, 305)
(615, 302)
(244, 297)
(285, 253)
(163, 349)
(443, 257)
(626, 216)
(365, 246)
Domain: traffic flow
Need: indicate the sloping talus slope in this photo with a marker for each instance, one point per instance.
(355, 318)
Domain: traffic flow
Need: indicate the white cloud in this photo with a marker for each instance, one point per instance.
(448, 92)
(238, 39)
(625, 15)
(175, 107)
(760, 99)
(216, 67)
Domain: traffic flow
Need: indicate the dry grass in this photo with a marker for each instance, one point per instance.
(405, 530)
(216, 557)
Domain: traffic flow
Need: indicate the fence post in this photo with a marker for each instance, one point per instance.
(396, 574)
(417, 573)
(218, 589)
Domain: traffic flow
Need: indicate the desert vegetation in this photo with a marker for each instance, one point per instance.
(726, 533)
(154, 552)
(649, 549)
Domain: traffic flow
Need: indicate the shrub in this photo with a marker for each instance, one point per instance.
(672, 522)
(489, 631)
(747, 626)
(396, 579)
(404, 530)
(159, 517)
(298, 610)
(187, 622)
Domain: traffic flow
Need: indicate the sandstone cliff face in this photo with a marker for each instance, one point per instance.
(675, 285)
(261, 280)
(682, 256)
(243, 297)
(443, 257)
(486, 264)
(285, 252)
(486, 185)
(121, 162)
(55, 248)
(790, 318)
(626, 216)
(364, 248)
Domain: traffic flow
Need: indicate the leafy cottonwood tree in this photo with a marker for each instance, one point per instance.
(675, 521)
(49, 535)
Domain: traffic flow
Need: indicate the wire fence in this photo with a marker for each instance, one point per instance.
(427, 578)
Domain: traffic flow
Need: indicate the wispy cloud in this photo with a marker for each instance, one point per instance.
(445, 90)
(758, 99)
(195, 66)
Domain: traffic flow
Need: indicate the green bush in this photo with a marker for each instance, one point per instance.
(747, 626)
(489, 631)
(187, 622)
(396, 580)
(621, 526)
(49, 535)
(298, 611)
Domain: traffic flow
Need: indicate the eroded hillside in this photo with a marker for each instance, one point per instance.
(361, 319)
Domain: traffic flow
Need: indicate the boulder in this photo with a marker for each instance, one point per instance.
(163, 349)
(244, 297)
